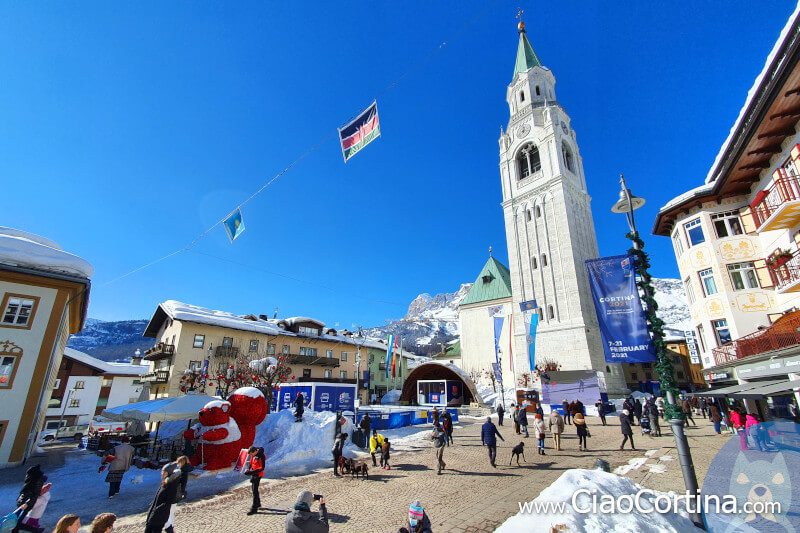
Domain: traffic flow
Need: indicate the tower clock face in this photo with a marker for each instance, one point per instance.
(523, 130)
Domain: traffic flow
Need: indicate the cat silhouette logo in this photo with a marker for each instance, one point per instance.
(753, 482)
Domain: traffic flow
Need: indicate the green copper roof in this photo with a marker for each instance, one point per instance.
(526, 57)
(493, 283)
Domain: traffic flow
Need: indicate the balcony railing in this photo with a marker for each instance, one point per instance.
(780, 335)
(159, 376)
(159, 351)
(311, 360)
(777, 206)
(230, 352)
(786, 274)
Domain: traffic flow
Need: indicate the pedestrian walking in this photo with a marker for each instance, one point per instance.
(687, 411)
(516, 418)
(660, 407)
(31, 489)
(103, 523)
(704, 408)
(119, 461)
(69, 523)
(375, 445)
(256, 472)
(583, 431)
(539, 428)
(338, 448)
(489, 436)
(500, 413)
(637, 410)
(716, 418)
(737, 419)
(439, 439)
(302, 520)
(556, 424)
(161, 508)
(601, 410)
(447, 426)
(435, 416)
(652, 412)
(539, 410)
(577, 407)
(174, 469)
(523, 420)
(625, 428)
(418, 521)
(567, 413)
(38, 508)
(385, 454)
(627, 405)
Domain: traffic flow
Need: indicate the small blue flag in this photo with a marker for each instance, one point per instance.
(530, 305)
(234, 225)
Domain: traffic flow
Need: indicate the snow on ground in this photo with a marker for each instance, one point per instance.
(561, 492)
(392, 397)
(633, 464)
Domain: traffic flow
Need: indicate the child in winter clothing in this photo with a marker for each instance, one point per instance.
(538, 426)
(385, 454)
(38, 508)
(644, 422)
(583, 432)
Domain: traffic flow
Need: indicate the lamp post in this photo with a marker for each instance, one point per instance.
(627, 204)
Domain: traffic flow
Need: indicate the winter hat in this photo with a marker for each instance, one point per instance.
(304, 501)
(626, 412)
(537, 416)
(578, 419)
(415, 513)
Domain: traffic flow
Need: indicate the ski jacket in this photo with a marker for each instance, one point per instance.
(489, 434)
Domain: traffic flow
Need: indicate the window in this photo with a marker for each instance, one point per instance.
(227, 342)
(107, 382)
(538, 92)
(634, 376)
(57, 384)
(707, 282)
(727, 224)
(195, 366)
(311, 352)
(344, 356)
(18, 310)
(700, 338)
(677, 243)
(329, 373)
(79, 385)
(541, 314)
(253, 345)
(306, 372)
(567, 155)
(538, 212)
(270, 349)
(743, 276)
(102, 402)
(534, 263)
(372, 376)
(551, 312)
(75, 402)
(522, 96)
(694, 232)
(343, 374)
(527, 215)
(544, 260)
(528, 161)
(305, 330)
(199, 341)
(680, 374)
(647, 365)
(648, 376)
(329, 354)
(286, 349)
(687, 284)
(721, 331)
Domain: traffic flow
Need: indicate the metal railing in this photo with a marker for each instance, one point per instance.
(159, 376)
(786, 273)
(785, 188)
(161, 349)
(310, 360)
(782, 334)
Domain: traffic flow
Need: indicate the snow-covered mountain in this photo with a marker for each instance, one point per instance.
(673, 308)
(111, 341)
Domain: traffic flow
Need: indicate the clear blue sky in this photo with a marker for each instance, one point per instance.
(129, 128)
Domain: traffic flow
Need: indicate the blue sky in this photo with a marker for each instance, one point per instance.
(128, 129)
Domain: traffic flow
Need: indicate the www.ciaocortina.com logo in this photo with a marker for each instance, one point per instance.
(753, 483)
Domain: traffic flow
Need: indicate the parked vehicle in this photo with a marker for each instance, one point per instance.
(52, 432)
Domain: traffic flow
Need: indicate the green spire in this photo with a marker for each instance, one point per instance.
(493, 283)
(526, 57)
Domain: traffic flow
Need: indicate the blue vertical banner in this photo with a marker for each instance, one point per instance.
(498, 329)
(623, 326)
(532, 321)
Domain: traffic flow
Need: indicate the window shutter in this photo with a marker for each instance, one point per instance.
(748, 221)
(795, 153)
(764, 274)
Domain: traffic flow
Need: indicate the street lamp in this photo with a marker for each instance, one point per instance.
(627, 204)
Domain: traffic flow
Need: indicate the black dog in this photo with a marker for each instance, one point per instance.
(360, 468)
(518, 450)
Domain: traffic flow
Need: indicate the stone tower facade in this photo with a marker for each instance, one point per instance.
(549, 226)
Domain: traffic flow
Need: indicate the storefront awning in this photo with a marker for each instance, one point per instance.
(733, 389)
(764, 389)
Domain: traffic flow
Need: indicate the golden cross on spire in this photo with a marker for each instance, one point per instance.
(520, 11)
(521, 25)
(490, 251)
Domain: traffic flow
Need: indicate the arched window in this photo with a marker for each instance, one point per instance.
(528, 215)
(534, 263)
(538, 212)
(551, 312)
(522, 96)
(528, 161)
(538, 92)
(568, 160)
(541, 313)
(544, 260)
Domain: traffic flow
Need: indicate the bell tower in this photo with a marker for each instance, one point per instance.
(549, 226)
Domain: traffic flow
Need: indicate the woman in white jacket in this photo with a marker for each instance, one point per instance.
(36, 512)
(539, 428)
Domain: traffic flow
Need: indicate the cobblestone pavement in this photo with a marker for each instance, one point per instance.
(470, 495)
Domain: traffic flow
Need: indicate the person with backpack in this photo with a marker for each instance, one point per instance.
(439, 438)
(256, 472)
(489, 436)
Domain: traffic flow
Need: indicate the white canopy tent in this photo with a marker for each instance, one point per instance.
(160, 410)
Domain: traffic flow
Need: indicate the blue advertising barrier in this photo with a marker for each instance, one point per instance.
(318, 396)
(398, 419)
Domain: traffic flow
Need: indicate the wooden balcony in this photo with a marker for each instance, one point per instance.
(159, 351)
(159, 376)
(778, 207)
(311, 360)
(229, 352)
(780, 335)
(786, 274)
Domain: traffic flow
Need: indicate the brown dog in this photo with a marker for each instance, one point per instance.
(360, 469)
(346, 465)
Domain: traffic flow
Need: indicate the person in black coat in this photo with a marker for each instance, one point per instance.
(500, 413)
(637, 410)
(158, 514)
(299, 407)
(31, 489)
(601, 411)
(338, 448)
(652, 412)
(567, 413)
(365, 424)
(447, 425)
(625, 428)
(627, 405)
(489, 436)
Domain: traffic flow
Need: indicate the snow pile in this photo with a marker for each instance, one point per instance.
(294, 448)
(562, 490)
(23, 249)
(267, 364)
(491, 396)
(392, 397)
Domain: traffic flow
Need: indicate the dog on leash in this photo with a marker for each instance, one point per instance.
(346, 465)
(516, 451)
(360, 469)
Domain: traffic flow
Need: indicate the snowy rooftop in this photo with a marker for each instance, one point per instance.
(22, 249)
(697, 191)
(107, 368)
